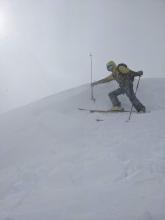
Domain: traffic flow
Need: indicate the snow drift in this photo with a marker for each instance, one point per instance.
(60, 163)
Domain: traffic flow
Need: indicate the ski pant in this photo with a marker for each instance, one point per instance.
(129, 93)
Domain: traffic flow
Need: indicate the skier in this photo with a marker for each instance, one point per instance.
(124, 77)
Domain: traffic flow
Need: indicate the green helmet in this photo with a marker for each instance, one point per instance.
(111, 65)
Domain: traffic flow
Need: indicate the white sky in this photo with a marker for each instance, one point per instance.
(45, 44)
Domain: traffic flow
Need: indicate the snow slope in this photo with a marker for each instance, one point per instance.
(58, 163)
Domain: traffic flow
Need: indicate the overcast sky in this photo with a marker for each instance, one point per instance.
(45, 44)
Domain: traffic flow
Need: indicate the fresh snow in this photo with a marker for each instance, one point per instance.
(59, 163)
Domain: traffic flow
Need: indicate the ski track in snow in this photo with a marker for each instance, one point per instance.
(57, 162)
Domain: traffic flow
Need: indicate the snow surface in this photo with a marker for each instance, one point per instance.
(59, 163)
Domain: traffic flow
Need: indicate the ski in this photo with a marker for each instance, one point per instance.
(102, 111)
(108, 111)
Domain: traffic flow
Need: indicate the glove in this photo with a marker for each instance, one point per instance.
(94, 84)
(140, 73)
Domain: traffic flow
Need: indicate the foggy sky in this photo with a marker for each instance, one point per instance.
(45, 44)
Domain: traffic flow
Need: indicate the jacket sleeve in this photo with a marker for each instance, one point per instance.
(105, 80)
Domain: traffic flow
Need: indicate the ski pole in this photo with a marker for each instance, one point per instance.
(92, 95)
(132, 104)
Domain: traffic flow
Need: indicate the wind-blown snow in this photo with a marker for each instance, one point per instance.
(59, 163)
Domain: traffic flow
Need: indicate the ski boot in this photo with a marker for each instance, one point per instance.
(142, 110)
(117, 109)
